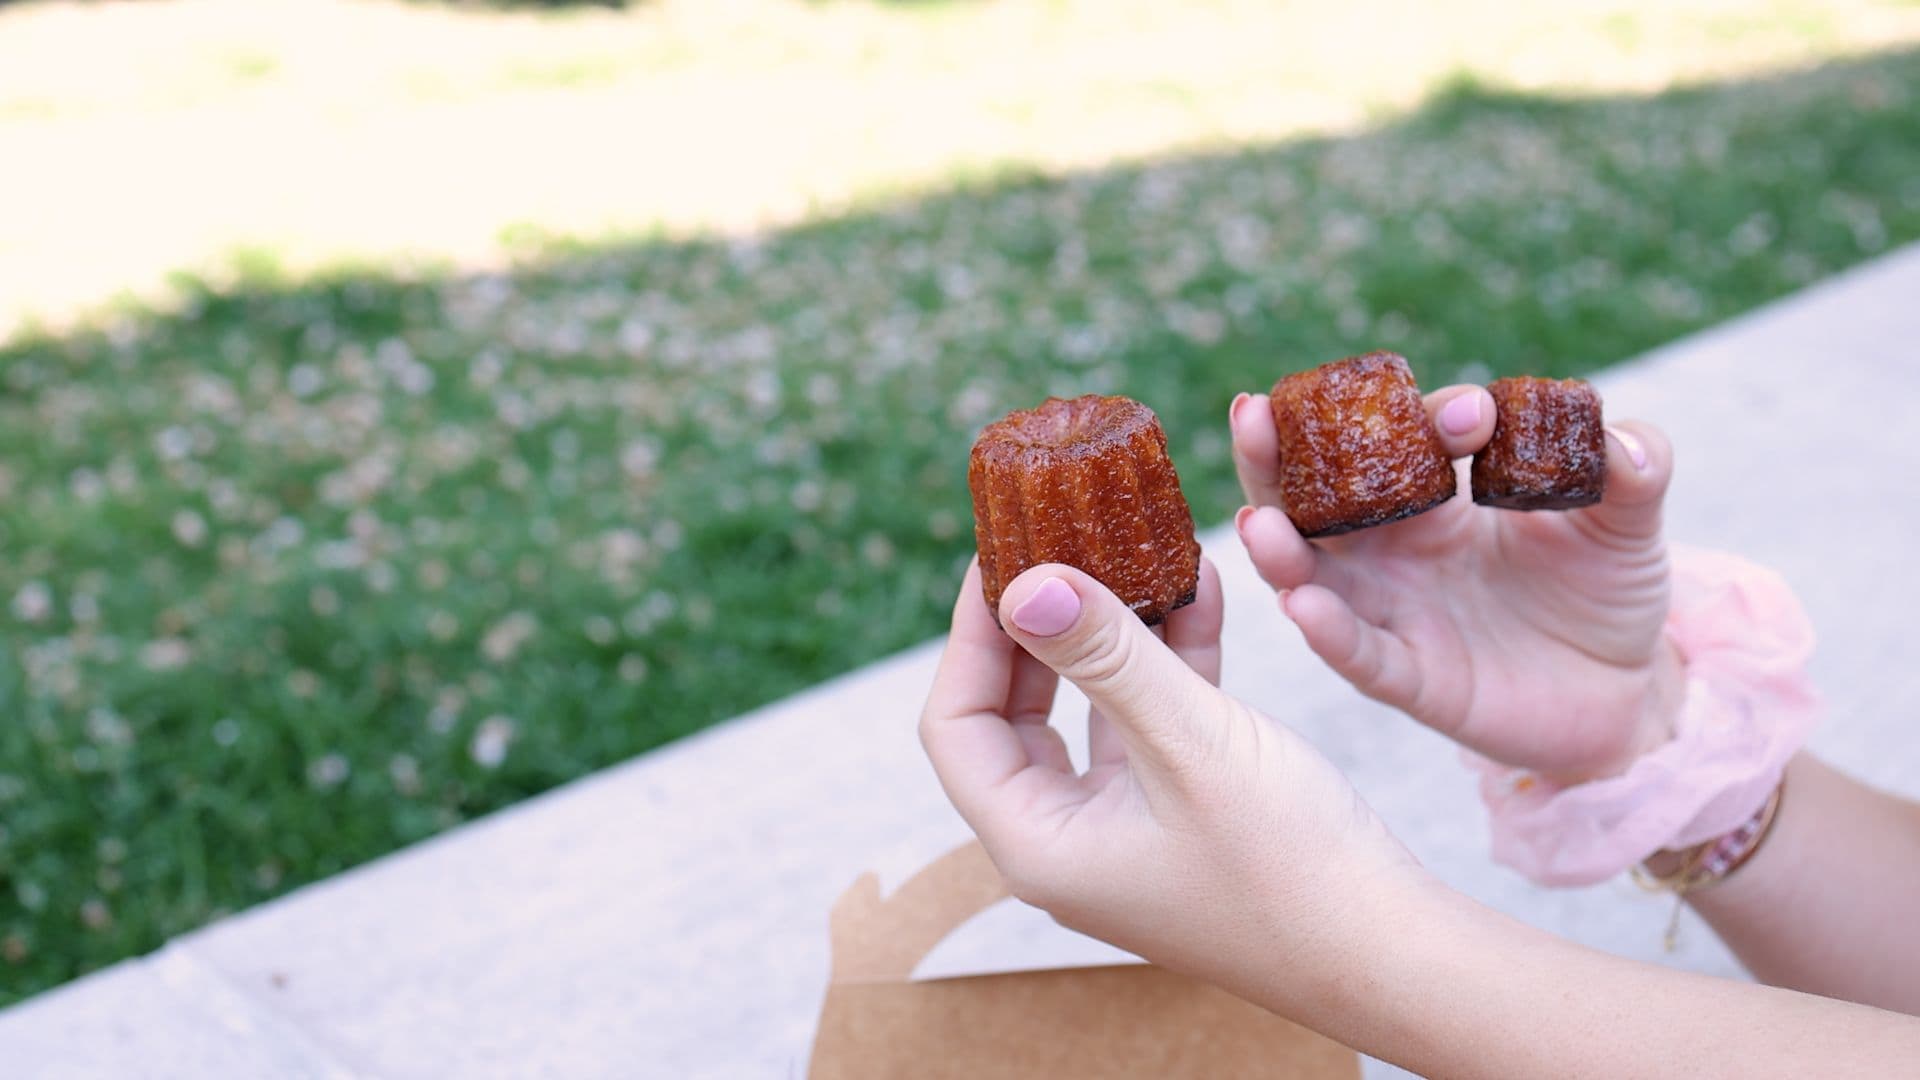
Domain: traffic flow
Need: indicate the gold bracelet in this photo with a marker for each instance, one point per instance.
(1711, 862)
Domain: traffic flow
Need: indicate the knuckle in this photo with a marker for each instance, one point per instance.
(1102, 656)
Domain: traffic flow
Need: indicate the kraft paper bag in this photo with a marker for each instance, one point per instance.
(1124, 1021)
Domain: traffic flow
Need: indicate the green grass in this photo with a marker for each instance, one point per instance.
(304, 572)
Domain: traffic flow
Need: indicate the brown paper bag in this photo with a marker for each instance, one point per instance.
(1128, 1020)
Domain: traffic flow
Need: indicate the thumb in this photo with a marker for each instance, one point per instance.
(1639, 467)
(1076, 626)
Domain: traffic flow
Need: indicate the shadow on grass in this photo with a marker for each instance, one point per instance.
(305, 572)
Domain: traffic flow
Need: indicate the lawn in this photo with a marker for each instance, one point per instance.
(307, 570)
(310, 131)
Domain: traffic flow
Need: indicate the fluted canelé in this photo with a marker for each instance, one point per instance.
(1086, 482)
(1356, 446)
(1549, 446)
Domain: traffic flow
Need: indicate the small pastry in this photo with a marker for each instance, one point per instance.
(1356, 446)
(1088, 483)
(1549, 448)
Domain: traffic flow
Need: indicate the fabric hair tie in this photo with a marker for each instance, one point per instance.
(1749, 707)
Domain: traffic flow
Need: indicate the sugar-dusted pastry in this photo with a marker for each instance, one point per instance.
(1548, 451)
(1088, 483)
(1356, 446)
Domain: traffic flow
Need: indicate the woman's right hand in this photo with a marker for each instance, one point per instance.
(1533, 638)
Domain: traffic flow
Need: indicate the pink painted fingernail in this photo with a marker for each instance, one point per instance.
(1050, 610)
(1461, 415)
(1233, 411)
(1636, 453)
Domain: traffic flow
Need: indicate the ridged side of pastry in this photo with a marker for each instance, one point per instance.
(1356, 446)
(1086, 482)
(1549, 446)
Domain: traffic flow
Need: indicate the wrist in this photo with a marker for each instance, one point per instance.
(1746, 709)
(1353, 964)
(1656, 718)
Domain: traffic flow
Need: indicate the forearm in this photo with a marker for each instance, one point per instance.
(1455, 989)
(1828, 902)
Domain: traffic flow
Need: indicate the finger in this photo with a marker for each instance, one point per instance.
(1280, 555)
(975, 751)
(1078, 628)
(1374, 661)
(1286, 560)
(1193, 632)
(1464, 417)
(1639, 468)
(1256, 448)
(976, 668)
(1030, 706)
(1104, 744)
(1031, 689)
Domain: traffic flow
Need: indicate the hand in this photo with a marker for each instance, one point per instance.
(1203, 836)
(1532, 638)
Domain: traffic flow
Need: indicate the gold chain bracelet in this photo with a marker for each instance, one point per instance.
(1710, 862)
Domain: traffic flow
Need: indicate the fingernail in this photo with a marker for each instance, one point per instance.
(1461, 415)
(1051, 609)
(1636, 453)
(1233, 411)
(1240, 517)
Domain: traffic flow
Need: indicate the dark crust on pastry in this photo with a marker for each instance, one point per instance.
(1549, 446)
(1086, 482)
(1357, 448)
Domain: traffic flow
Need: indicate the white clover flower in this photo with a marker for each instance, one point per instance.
(404, 771)
(86, 484)
(633, 667)
(173, 443)
(304, 380)
(108, 728)
(329, 771)
(638, 458)
(877, 551)
(505, 638)
(635, 336)
(491, 740)
(94, 914)
(33, 602)
(189, 528)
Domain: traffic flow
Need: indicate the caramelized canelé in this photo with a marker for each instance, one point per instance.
(1356, 446)
(1549, 448)
(1088, 483)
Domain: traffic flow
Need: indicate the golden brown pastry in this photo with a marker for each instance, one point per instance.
(1356, 446)
(1549, 449)
(1088, 483)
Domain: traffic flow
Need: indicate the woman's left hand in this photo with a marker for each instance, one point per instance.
(1203, 835)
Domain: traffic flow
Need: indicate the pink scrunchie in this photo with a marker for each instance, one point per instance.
(1749, 706)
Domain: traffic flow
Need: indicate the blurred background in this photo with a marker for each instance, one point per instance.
(406, 407)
